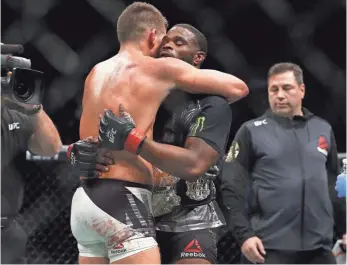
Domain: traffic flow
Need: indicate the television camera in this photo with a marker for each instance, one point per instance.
(18, 81)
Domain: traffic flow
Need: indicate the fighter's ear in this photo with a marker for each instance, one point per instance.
(199, 58)
(152, 37)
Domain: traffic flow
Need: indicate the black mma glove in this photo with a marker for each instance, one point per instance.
(85, 159)
(119, 133)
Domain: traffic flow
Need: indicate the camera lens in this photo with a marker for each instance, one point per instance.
(24, 88)
(26, 85)
(23, 91)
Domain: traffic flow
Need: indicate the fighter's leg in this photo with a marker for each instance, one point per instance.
(91, 245)
(92, 254)
(92, 260)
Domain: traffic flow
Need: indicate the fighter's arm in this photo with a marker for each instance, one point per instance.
(184, 76)
(204, 145)
(235, 181)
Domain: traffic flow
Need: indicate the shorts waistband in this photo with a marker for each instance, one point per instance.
(85, 183)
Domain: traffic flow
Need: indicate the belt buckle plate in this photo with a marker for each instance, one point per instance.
(199, 189)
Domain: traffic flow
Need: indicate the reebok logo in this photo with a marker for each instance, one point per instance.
(119, 246)
(193, 250)
(118, 249)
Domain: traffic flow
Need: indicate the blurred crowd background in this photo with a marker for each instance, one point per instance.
(66, 38)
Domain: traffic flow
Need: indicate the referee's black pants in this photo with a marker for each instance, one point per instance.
(317, 256)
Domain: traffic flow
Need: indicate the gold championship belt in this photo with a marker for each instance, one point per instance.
(164, 198)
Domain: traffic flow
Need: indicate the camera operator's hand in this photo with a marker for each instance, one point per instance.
(85, 159)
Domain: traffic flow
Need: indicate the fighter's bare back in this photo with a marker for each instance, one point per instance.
(122, 80)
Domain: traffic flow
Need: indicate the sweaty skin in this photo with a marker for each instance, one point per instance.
(140, 83)
(104, 89)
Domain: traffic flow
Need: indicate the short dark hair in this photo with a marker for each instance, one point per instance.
(199, 36)
(136, 18)
(280, 68)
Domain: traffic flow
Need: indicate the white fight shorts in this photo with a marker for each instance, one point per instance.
(112, 219)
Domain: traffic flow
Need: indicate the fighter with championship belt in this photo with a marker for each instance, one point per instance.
(186, 211)
(184, 199)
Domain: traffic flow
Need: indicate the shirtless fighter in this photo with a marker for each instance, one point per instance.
(111, 217)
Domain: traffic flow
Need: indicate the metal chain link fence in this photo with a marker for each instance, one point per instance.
(46, 217)
(66, 38)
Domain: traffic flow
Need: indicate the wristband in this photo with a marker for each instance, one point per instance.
(68, 152)
(134, 141)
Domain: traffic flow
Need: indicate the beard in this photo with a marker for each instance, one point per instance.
(188, 59)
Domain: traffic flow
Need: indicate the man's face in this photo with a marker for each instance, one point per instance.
(180, 43)
(285, 94)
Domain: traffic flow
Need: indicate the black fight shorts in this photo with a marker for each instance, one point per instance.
(198, 244)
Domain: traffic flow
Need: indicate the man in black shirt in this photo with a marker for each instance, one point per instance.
(23, 127)
(184, 204)
(282, 166)
(186, 223)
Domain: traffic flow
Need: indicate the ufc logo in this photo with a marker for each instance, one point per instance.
(13, 126)
(110, 135)
(258, 123)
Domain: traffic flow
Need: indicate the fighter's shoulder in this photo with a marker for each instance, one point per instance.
(105, 66)
(167, 66)
(148, 66)
(218, 105)
(97, 70)
(214, 100)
